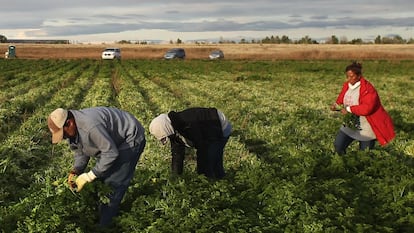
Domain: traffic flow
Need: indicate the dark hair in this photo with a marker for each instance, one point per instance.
(356, 67)
(70, 116)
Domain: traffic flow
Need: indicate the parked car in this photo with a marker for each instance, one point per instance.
(216, 54)
(175, 53)
(111, 53)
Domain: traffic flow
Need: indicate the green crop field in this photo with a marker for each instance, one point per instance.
(282, 172)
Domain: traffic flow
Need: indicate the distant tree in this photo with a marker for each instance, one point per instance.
(378, 40)
(271, 40)
(305, 40)
(390, 40)
(278, 40)
(3, 39)
(410, 41)
(179, 41)
(334, 39)
(357, 41)
(243, 41)
(386, 40)
(398, 40)
(124, 42)
(285, 40)
(266, 40)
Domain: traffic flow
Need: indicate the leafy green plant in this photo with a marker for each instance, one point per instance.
(282, 172)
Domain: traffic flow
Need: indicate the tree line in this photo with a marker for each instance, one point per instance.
(331, 40)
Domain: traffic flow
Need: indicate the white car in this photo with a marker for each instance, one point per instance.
(111, 53)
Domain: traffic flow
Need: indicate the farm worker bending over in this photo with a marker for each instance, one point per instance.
(206, 129)
(114, 137)
(365, 119)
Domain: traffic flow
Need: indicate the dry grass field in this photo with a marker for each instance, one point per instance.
(231, 51)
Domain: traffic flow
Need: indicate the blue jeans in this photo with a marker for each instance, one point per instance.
(119, 178)
(342, 141)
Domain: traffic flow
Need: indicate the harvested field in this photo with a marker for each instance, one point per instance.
(231, 51)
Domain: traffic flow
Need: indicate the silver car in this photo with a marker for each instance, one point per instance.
(216, 54)
(175, 53)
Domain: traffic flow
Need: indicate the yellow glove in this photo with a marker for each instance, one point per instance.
(83, 179)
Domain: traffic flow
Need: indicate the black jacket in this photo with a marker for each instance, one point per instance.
(200, 126)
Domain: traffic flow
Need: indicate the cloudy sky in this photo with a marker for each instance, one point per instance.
(114, 20)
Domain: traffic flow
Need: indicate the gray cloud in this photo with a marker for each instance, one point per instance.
(223, 25)
(70, 18)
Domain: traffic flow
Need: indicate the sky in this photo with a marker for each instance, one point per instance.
(188, 20)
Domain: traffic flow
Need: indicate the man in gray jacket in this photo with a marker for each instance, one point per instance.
(113, 137)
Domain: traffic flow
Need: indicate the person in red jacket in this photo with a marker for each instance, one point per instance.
(366, 119)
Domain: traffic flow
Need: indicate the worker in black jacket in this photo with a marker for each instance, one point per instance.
(205, 129)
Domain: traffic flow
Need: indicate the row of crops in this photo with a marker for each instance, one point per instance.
(282, 173)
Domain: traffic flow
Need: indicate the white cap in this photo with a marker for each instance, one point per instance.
(161, 127)
(55, 122)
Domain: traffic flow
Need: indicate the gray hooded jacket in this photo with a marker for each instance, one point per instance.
(103, 133)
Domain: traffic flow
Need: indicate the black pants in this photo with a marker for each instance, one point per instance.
(212, 165)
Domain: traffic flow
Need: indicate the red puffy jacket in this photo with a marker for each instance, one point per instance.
(370, 106)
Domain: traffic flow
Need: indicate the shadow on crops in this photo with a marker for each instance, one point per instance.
(400, 123)
(256, 146)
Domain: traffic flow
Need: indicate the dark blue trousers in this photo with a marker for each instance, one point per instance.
(342, 141)
(119, 178)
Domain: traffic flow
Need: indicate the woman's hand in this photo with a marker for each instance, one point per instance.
(336, 107)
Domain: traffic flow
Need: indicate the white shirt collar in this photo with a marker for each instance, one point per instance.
(357, 84)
